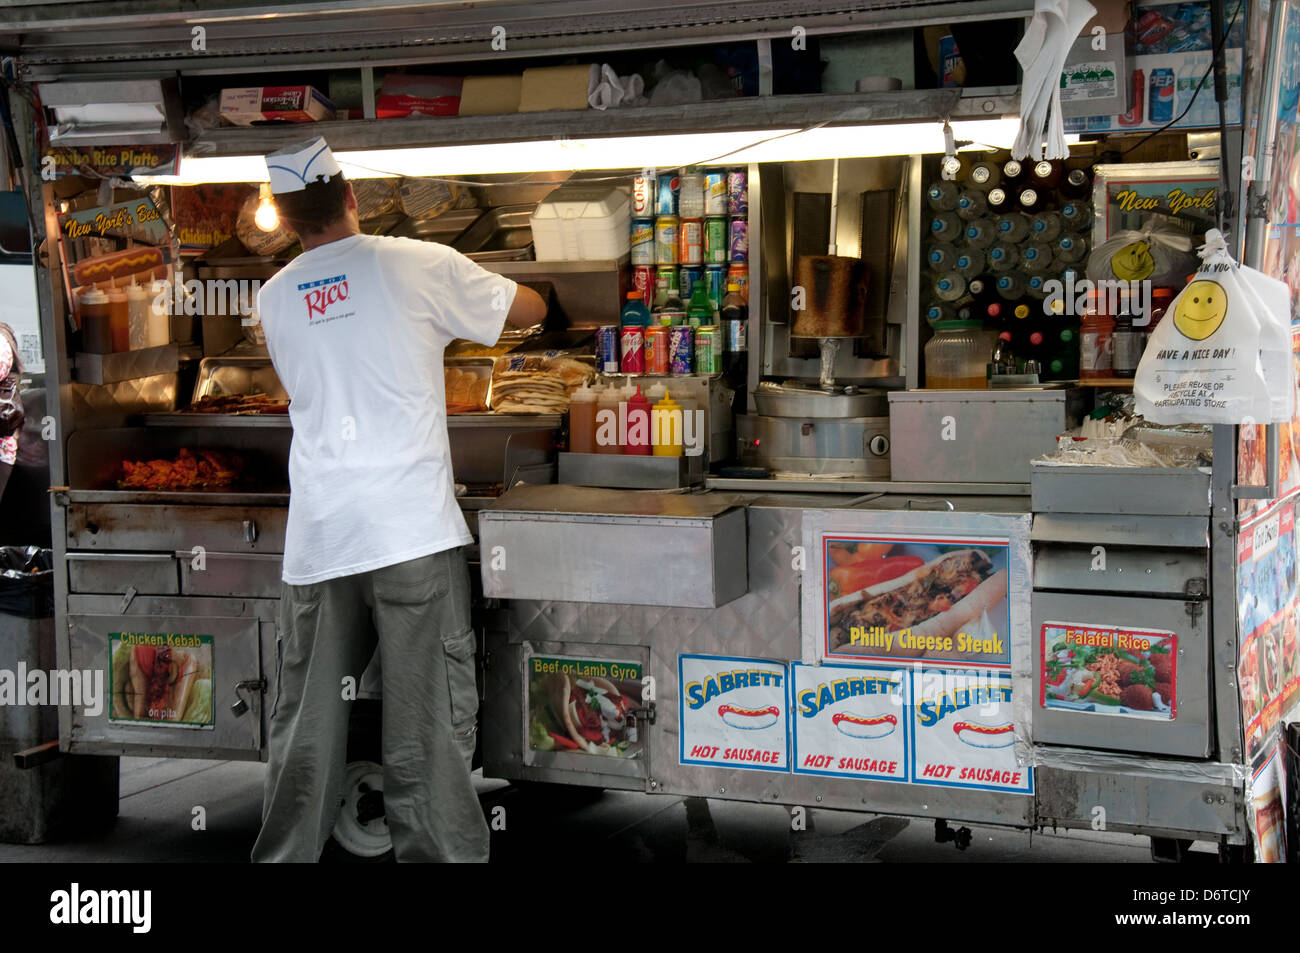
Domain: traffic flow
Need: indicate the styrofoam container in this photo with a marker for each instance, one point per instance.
(582, 223)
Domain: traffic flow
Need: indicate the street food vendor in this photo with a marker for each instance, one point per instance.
(356, 327)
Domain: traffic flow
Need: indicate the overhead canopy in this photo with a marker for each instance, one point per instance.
(90, 37)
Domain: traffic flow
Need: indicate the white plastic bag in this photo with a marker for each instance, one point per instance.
(1202, 362)
(1155, 253)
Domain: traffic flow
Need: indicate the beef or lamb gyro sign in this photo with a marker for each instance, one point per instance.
(941, 599)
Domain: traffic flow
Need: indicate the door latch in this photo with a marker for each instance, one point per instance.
(127, 598)
(250, 531)
(240, 706)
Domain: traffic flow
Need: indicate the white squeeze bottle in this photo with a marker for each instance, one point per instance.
(138, 302)
(607, 399)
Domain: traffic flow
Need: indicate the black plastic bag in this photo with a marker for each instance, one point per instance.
(27, 581)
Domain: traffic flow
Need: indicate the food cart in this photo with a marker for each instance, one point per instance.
(713, 627)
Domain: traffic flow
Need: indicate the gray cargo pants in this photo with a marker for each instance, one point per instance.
(420, 612)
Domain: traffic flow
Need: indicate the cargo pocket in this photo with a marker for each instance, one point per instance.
(462, 689)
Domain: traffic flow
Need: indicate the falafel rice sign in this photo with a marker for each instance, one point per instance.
(1108, 670)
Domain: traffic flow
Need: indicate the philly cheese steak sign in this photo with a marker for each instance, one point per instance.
(733, 712)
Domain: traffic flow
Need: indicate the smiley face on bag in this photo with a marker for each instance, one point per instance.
(1201, 309)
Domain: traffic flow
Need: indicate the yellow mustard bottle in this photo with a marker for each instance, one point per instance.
(666, 427)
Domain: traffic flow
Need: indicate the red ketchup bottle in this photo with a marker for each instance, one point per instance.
(638, 425)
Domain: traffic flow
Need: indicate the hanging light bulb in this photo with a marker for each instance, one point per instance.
(266, 217)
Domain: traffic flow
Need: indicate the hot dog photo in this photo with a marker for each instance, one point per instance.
(161, 679)
(913, 598)
(1001, 735)
(113, 247)
(573, 708)
(749, 719)
(861, 726)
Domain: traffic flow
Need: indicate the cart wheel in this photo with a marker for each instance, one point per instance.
(361, 830)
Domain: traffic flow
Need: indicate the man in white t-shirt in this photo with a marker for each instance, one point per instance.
(356, 327)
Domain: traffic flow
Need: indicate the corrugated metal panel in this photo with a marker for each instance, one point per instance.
(108, 34)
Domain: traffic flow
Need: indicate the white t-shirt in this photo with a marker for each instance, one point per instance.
(356, 330)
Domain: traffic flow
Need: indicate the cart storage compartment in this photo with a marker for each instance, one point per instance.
(1121, 610)
(579, 544)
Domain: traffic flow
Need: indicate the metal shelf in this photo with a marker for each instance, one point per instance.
(485, 420)
(748, 113)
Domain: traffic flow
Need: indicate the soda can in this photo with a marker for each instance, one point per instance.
(666, 228)
(739, 239)
(738, 193)
(689, 275)
(643, 241)
(607, 348)
(1160, 102)
(669, 276)
(644, 196)
(643, 280)
(716, 276)
(715, 194)
(708, 349)
(666, 194)
(738, 274)
(633, 359)
(715, 241)
(681, 349)
(690, 241)
(669, 318)
(656, 349)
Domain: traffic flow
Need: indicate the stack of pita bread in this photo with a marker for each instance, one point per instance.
(529, 392)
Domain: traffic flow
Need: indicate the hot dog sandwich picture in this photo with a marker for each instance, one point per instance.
(586, 715)
(750, 719)
(860, 726)
(985, 736)
(935, 599)
(161, 683)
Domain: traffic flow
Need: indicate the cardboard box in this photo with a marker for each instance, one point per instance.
(557, 87)
(1112, 15)
(403, 94)
(490, 95)
(1095, 82)
(246, 105)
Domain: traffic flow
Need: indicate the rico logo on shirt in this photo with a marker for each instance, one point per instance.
(319, 295)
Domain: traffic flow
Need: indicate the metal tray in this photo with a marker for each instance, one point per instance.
(501, 234)
(237, 375)
(444, 229)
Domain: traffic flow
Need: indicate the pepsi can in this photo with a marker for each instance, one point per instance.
(607, 347)
(666, 194)
(1160, 102)
(689, 275)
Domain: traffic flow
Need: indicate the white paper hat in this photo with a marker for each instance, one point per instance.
(295, 167)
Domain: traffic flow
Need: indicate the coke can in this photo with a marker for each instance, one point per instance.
(607, 348)
(633, 359)
(644, 196)
(643, 280)
(715, 241)
(681, 349)
(716, 276)
(689, 275)
(666, 189)
(708, 349)
(643, 241)
(656, 350)
(738, 193)
(690, 241)
(738, 274)
(669, 276)
(715, 194)
(666, 228)
(1136, 89)
(1160, 102)
(739, 239)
